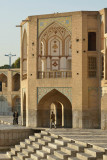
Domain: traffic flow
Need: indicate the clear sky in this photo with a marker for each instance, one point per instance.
(13, 11)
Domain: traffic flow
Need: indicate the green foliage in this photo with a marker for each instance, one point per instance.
(16, 64)
(6, 66)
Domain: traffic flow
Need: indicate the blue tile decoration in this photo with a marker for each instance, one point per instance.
(42, 91)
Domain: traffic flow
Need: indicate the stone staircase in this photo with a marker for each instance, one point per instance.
(49, 146)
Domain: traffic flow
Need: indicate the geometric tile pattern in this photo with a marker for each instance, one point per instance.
(65, 21)
(42, 91)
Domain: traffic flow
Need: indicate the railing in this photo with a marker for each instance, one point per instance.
(54, 74)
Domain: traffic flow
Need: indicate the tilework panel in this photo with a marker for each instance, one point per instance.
(42, 91)
(65, 21)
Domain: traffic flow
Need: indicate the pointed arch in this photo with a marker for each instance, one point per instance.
(63, 108)
(16, 82)
(24, 53)
(3, 82)
(55, 49)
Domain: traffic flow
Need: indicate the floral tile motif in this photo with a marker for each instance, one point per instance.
(65, 21)
(42, 91)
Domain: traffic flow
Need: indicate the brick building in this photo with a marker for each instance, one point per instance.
(9, 91)
(64, 69)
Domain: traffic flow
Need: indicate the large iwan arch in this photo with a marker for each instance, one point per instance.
(60, 105)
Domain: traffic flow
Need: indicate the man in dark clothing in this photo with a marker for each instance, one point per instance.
(15, 117)
(52, 120)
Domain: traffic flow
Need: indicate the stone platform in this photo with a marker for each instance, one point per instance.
(61, 144)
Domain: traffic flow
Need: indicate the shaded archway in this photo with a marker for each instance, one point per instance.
(16, 82)
(3, 82)
(16, 104)
(62, 109)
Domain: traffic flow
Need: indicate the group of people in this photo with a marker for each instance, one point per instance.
(52, 119)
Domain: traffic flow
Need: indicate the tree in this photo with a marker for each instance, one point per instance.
(16, 64)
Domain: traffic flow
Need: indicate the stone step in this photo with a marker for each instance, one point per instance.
(94, 152)
(37, 145)
(28, 141)
(15, 151)
(54, 135)
(104, 157)
(33, 148)
(4, 157)
(61, 142)
(35, 157)
(48, 149)
(38, 135)
(33, 138)
(83, 143)
(76, 146)
(69, 151)
(24, 144)
(19, 147)
(29, 159)
(27, 152)
(42, 153)
(49, 138)
(99, 148)
(43, 142)
(73, 158)
(61, 155)
(16, 158)
(54, 146)
(10, 154)
(53, 157)
(44, 133)
(22, 156)
(85, 156)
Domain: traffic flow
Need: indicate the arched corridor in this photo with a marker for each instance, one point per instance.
(16, 82)
(60, 105)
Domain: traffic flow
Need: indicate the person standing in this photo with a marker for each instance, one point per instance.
(52, 120)
(15, 117)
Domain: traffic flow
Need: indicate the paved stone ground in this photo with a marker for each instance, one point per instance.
(8, 120)
(92, 136)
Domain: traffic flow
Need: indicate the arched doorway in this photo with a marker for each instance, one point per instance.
(58, 103)
(3, 82)
(16, 82)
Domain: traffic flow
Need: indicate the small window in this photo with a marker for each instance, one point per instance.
(0, 86)
(91, 41)
(92, 67)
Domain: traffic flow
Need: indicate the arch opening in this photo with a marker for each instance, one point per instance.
(55, 52)
(3, 82)
(16, 82)
(24, 54)
(61, 106)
